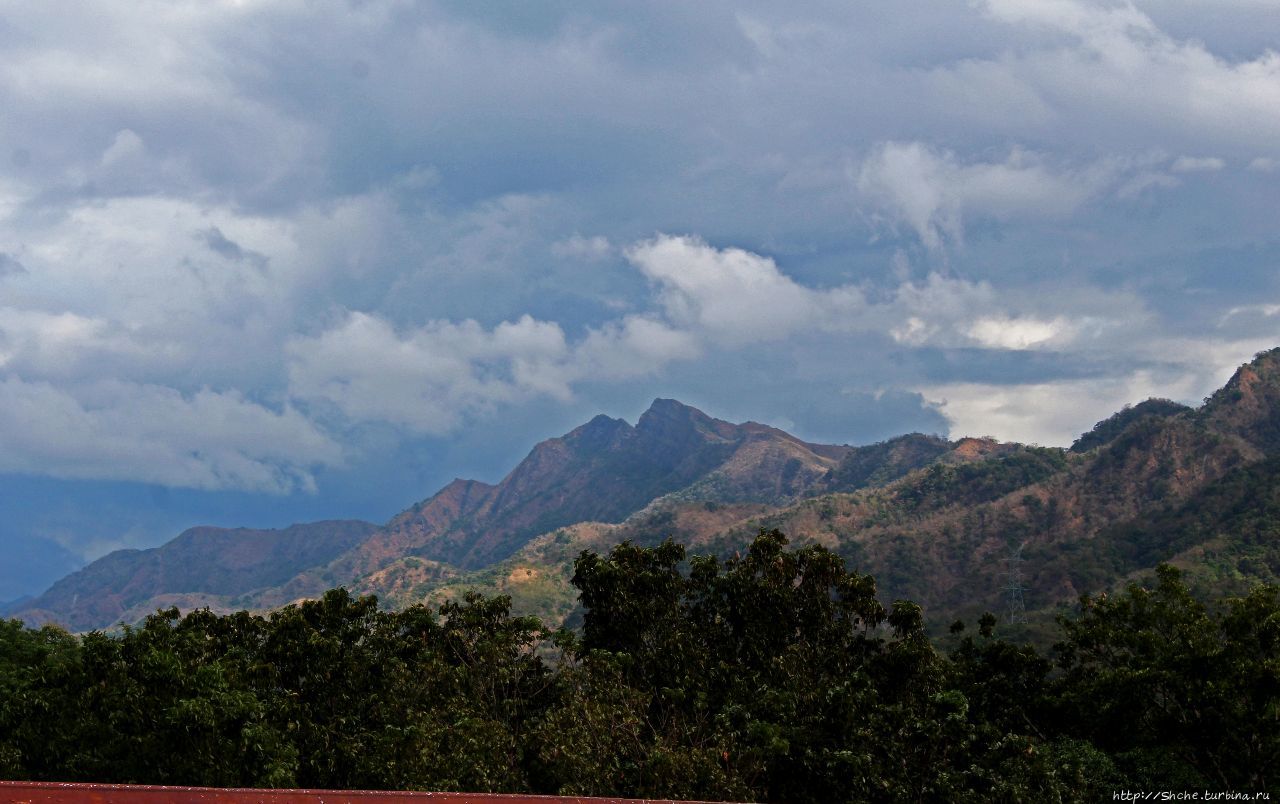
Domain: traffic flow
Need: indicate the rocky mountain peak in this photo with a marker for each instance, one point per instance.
(670, 422)
(1249, 404)
(600, 434)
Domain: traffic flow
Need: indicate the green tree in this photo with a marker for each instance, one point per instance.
(1175, 694)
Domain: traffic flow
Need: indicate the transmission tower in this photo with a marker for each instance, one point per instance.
(1013, 588)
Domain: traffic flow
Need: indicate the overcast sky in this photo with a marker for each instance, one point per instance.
(263, 262)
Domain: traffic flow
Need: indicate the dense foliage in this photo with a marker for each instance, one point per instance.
(881, 464)
(1234, 522)
(776, 675)
(982, 481)
(1110, 428)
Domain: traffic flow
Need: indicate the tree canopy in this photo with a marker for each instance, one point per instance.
(776, 675)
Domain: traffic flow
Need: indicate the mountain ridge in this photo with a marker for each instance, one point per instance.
(933, 519)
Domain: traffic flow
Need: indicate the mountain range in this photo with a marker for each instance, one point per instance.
(941, 522)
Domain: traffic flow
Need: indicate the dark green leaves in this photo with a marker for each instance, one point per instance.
(777, 675)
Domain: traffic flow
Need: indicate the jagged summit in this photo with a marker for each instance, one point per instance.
(668, 421)
(604, 471)
(672, 408)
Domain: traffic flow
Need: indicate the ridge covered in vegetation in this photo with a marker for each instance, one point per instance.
(774, 676)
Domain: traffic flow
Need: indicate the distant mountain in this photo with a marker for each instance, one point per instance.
(933, 520)
(603, 471)
(202, 565)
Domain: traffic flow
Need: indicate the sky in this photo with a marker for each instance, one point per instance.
(266, 262)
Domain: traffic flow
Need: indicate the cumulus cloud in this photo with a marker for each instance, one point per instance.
(937, 311)
(434, 378)
(120, 295)
(1146, 180)
(933, 192)
(429, 378)
(633, 347)
(735, 296)
(126, 149)
(129, 431)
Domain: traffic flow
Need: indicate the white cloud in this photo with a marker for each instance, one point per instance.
(633, 347)
(438, 376)
(125, 148)
(1147, 180)
(434, 378)
(1095, 23)
(431, 378)
(734, 297)
(938, 309)
(1197, 164)
(1264, 164)
(139, 261)
(583, 248)
(1056, 412)
(933, 192)
(950, 313)
(1049, 413)
(148, 433)
(42, 344)
(1001, 332)
(130, 304)
(1265, 310)
(737, 297)
(1116, 66)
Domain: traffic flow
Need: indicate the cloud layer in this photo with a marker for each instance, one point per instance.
(244, 246)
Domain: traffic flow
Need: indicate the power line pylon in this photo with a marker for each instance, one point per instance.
(1013, 588)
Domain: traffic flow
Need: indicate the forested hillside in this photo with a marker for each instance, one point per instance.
(777, 675)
